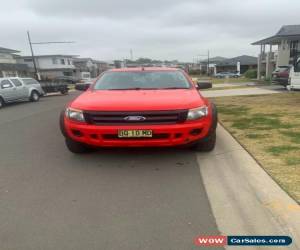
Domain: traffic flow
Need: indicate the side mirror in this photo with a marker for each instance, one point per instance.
(204, 85)
(82, 86)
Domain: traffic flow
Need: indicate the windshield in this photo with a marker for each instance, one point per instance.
(142, 80)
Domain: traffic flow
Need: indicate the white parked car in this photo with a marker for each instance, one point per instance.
(294, 77)
(14, 89)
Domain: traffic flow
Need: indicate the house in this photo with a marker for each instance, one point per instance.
(221, 64)
(278, 50)
(51, 66)
(237, 64)
(101, 66)
(9, 67)
(90, 66)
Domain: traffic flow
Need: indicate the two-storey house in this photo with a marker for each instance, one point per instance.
(9, 67)
(278, 50)
(51, 66)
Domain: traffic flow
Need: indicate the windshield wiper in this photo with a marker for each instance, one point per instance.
(174, 88)
(133, 89)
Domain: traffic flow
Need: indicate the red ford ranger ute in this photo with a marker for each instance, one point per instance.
(140, 107)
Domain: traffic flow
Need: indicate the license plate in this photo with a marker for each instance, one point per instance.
(134, 133)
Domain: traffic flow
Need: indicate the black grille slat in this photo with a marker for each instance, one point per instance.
(152, 117)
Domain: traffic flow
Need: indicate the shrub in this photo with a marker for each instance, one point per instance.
(251, 73)
(194, 72)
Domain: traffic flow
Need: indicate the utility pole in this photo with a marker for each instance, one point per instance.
(32, 56)
(208, 73)
(131, 55)
(208, 61)
(32, 53)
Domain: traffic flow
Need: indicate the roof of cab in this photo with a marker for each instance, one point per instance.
(144, 69)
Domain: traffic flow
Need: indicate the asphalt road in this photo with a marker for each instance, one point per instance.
(111, 199)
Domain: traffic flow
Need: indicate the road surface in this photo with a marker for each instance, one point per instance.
(112, 199)
(128, 199)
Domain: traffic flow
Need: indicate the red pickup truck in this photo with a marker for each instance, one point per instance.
(140, 107)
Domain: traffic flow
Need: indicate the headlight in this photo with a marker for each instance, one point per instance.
(197, 113)
(75, 114)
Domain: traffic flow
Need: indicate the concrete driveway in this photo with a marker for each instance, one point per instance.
(127, 198)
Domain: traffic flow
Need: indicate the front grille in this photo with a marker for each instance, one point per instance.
(154, 137)
(151, 117)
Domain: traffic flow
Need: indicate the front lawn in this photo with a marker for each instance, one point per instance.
(268, 126)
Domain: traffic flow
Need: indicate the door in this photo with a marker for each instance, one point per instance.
(7, 90)
(21, 89)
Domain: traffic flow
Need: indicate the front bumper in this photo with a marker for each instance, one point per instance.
(163, 135)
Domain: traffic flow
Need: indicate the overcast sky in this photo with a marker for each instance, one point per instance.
(158, 29)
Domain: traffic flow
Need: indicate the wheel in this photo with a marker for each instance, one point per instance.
(76, 147)
(1, 102)
(34, 97)
(64, 91)
(207, 144)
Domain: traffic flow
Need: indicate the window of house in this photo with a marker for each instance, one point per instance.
(28, 60)
(10, 73)
(5, 84)
(293, 48)
(62, 61)
(69, 62)
(16, 82)
(294, 44)
(54, 60)
(67, 73)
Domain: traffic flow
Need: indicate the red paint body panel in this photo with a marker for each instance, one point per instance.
(139, 100)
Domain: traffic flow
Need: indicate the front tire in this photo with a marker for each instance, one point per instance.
(64, 91)
(76, 147)
(35, 96)
(1, 102)
(207, 144)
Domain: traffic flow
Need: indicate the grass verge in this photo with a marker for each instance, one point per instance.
(269, 127)
(229, 87)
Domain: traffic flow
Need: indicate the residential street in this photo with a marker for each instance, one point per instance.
(112, 199)
(127, 198)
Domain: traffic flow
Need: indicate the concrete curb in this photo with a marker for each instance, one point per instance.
(244, 198)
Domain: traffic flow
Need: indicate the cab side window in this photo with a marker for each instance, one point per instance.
(5, 84)
(16, 82)
(30, 81)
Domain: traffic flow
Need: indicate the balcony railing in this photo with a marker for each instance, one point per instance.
(272, 55)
